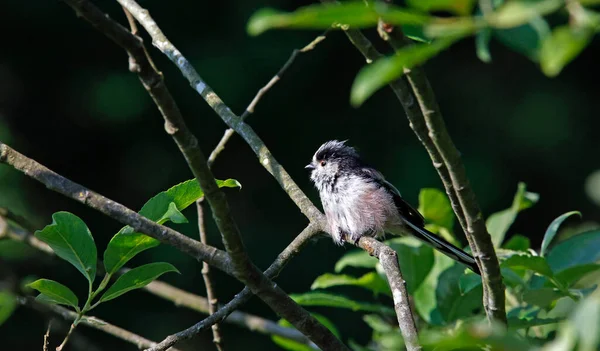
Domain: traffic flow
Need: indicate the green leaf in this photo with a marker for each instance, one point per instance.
(371, 281)
(379, 324)
(525, 39)
(571, 275)
(561, 47)
(415, 259)
(385, 70)
(451, 304)
(415, 33)
(577, 250)
(542, 297)
(459, 7)
(55, 292)
(424, 297)
(498, 223)
(338, 301)
(520, 323)
(536, 264)
(8, 304)
(553, 229)
(515, 13)
(435, 207)
(323, 16)
(137, 278)
(517, 243)
(356, 258)
(292, 345)
(165, 206)
(482, 45)
(72, 241)
(468, 282)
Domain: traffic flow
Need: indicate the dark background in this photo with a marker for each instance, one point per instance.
(68, 101)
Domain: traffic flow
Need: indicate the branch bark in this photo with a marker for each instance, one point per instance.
(113, 209)
(92, 322)
(388, 258)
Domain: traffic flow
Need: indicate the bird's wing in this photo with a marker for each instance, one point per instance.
(407, 212)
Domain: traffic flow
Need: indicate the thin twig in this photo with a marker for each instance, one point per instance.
(210, 292)
(93, 322)
(262, 91)
(194, 302)
(47, 336)
(66, 339)
(290, 251)
(388, 258)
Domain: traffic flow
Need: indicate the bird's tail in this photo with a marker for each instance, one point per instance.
(444, 247)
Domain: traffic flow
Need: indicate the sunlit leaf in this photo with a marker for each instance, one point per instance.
(536, 264)
(55, 292)
(323, 16)
(385, 70)
(578, 250)
(8, 304)
(137, 278)
(517, 243)
(72, 241)
(356, 258)
(498, 223)
(377, 323)
(482, 45)
(371, 281)
(459, 7)
(165, 206)
(561, 47)
(338, 301)
(553, 229)
(515, 13)
(425, 297)
(435, 207)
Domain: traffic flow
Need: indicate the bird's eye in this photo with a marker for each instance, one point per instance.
(323, 163)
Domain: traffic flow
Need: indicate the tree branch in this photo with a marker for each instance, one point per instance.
(427, 123)
(206, 276)
(262, 91)
(183, 298)
(456, 183)
(388, 258)
(93, 322)
(243, 268)
(113, 209)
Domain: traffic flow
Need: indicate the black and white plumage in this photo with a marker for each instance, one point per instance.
(359, 201)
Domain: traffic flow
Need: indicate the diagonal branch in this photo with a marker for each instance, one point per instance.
(113, 209)
(178, 296)
(92, 322)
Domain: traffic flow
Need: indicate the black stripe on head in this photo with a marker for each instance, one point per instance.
(335, 149)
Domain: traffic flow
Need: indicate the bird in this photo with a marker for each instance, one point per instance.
(358, 201)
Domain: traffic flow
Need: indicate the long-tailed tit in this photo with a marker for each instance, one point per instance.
(359, 201)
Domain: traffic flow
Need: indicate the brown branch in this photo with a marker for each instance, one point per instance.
(113, 209)
(457, 184)
(47, 336)
(262, 91)
(388, 258)
(188, 300)
(92, 322)
(210, 292)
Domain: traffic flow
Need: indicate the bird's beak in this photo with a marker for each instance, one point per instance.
(310, 166)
